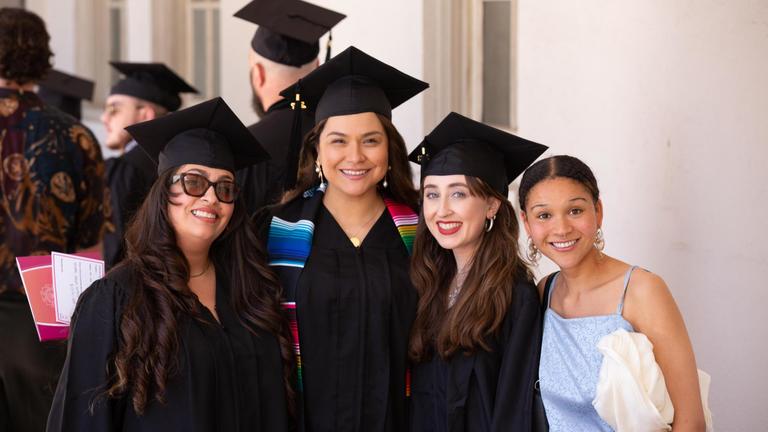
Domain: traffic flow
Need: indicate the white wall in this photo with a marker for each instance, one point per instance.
(390, 31)
(235, 40)
(667, 101)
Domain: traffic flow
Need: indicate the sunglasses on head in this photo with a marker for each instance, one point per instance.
(197, 185)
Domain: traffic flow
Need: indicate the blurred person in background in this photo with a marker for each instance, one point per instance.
(147, 91)
(52, 197)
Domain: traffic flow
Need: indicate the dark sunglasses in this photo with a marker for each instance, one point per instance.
(197, 185)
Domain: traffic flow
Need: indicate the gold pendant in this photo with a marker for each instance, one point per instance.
(355, 241)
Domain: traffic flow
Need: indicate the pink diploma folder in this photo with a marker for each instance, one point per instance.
(37, 276)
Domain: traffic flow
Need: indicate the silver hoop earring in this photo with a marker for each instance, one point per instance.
(490, 223)
(533, 253)
(319, 171)
(599, 240)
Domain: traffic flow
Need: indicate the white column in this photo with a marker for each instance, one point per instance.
(139, 30)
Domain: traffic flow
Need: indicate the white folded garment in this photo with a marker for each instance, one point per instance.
(631, 392)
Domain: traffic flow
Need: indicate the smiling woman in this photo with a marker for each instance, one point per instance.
(340, 243)
(592, 296)
(473, 340)
(187, 332)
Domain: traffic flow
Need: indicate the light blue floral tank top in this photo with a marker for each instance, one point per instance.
(570, 365)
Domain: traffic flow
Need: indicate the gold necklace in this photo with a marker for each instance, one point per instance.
(207, 266)
(355, 238)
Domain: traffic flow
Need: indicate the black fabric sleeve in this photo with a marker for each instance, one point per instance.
(513, 404)
(5, 415)
(79, 403)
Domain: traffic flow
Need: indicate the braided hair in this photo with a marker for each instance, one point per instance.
(561, 166)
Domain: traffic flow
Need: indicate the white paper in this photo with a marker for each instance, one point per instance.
(71, 276)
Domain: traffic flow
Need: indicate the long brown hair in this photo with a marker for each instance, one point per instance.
(149, 340)
(486, 293)
(400, 178)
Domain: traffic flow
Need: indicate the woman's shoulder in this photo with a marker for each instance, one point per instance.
(647, 295)
(116, 284)
(525, 293)
(645, 285)
(105, 298)
(288, 210)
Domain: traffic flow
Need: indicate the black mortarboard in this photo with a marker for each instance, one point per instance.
(208, 134)
(153, 82)
(459, 145)
(289, 30)
(65, 91)
(351, 82)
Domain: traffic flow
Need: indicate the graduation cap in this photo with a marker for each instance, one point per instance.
(208, 134)
(289, 30)
(153, 82)
(65, 91)
(352, 82)
(459, 145)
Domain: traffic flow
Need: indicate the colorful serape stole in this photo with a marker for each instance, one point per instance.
(290, 309)
(289, 246)
(289, 242)
(405, 221)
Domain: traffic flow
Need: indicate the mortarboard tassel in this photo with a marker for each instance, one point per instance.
(328, 46)
(294, 149)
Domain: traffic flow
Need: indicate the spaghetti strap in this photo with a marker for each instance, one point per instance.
(624, 293)
(552, 287)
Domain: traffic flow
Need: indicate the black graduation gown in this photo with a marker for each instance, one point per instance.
(28, 368)
(355, 308)
(228, 379)
(487, 391)
(263, 183)
(130, 177)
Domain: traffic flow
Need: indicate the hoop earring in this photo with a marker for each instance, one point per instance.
(533, 253)
(319, 171)
(599, 240)
(490, 223)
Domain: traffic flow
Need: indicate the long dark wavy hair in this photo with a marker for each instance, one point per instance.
(400, 178)
(149, 339)
(486, 293)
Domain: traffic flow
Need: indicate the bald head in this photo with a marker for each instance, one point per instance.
(269, 78)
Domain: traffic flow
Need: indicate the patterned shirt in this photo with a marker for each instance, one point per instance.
(52, 191)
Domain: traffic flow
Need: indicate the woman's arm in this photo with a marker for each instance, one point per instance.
(650, 308)
(79, 402)
(519, 366)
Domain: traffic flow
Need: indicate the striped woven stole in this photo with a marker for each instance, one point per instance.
(290, 243)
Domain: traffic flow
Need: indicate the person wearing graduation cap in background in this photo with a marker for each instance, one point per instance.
(474, 340)
(283, 50)
(65, 92)
(51, 199)
(187, 332)
(340, 243)
(148, 91)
